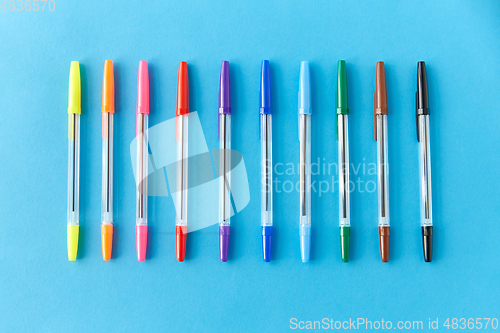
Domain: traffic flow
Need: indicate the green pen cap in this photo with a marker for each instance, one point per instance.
(341, 95)
(345, 242)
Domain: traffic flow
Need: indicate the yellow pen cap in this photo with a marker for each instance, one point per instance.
(74, 96)
(73, 231)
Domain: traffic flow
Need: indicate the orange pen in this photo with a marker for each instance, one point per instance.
(108, 109)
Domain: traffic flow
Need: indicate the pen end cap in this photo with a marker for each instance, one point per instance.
(180, 242)
(427, 243)
(345, 242)
(106, 241)
(384, 237)
(224, 242)
(267, 233)
(141, 234)
(305, 242)
(73, 231)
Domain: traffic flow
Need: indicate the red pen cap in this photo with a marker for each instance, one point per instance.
(182, 90)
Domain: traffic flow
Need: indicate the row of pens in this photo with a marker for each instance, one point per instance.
(305, 113)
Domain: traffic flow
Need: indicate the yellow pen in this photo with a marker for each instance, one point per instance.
(74, 111)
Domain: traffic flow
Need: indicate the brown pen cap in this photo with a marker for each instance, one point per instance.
(384, 236)
(380, 100)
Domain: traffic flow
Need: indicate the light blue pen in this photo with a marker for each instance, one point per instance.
(305, 160)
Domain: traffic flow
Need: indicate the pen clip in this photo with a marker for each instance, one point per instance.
(416, 116)
(375, 115)
(298, 118)
(298, 122)
(425, 111)
(337, 125)
(176, 129)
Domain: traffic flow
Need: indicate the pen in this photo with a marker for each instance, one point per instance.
(182, 112)
(141, 225)
(266, 155)
(108, 109)
(422, 115)
(380, 126)
(224, 160)
(343, 140)
(74, 111)
(305, 160)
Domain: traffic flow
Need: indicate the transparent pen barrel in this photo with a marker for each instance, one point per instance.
(382, 172)
(107, 169)
(266, 158)
(181, 196)
(142, 169)
(343, 140)
(73, 168)
(305, 169)
(425, 171)
(225, 170)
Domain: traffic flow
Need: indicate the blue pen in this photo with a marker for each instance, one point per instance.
(266, 146)
(305, 160)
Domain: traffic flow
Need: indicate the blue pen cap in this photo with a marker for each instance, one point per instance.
(304, 89)
(265, 89)
(267, 234)
(305, 242)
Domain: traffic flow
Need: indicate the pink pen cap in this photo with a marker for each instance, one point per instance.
(143, 88)
(141, 241)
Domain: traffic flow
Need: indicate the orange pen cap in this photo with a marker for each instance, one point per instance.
(106, 240)
(108, 88)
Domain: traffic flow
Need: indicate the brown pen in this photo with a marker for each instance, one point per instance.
(380, 126)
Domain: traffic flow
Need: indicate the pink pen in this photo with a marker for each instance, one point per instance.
(141, 225)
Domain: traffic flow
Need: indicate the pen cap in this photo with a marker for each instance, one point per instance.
(74, 96)
(224, 89)
(380, 97)
(143, 88)
(341, 96)
(265, 89)
(304, 89)
(182, 90)
(108, 88)
(422, 93)
(421, 96)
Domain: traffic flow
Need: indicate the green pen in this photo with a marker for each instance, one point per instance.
(343, 140)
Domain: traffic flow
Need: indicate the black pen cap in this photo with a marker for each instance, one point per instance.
(422, 93)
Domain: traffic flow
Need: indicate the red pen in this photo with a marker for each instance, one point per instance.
(181, 136)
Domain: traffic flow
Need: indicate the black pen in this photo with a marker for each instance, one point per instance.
(422, 118)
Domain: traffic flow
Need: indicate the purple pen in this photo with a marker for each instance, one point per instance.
(224, 161)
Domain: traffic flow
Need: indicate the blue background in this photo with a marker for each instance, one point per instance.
(40, 290)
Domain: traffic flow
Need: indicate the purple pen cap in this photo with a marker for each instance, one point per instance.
(224, 232)
(224, 89)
